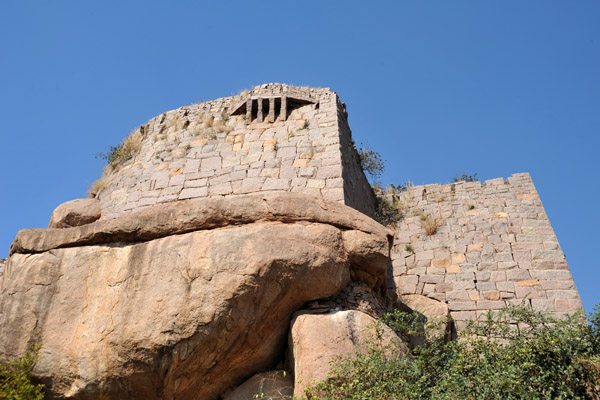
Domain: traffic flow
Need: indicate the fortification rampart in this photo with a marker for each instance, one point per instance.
(494, 245)
(273, 138)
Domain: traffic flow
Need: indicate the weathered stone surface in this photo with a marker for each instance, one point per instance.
(201, 301)
(186, 216)
(274, 385)
(75, 213)
(317, 339)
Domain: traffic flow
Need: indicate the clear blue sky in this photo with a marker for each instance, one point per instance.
(437, 87)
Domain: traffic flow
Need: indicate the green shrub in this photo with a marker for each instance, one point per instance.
(371, 162)
(387, 213)
(124, 151)
(515, 353)
(15, 378)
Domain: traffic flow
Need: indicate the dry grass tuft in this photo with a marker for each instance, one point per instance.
(208, 121)
(430, 224)
(98, 186)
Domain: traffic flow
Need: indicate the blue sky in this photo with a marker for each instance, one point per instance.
(437, 87)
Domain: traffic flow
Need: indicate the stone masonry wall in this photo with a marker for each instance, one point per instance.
(357, 190)
(494, 246)
(202, 150)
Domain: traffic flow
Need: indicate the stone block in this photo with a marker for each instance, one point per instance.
(431, 279)
(307, 172)
(517, 275)
(490, 304)
(462, 305)
(483, 286)
(462, 285)
(466, 276)
(440, 263)
(424, 255)
(276, 184)
(300, 163)
(505, 286)
(315, 183)
(491, 295)
(526, 293)
(507, 265)
(552, 255)
(483, 276)
(191, 166)
(329, 172)
(562, 294)
(567, 305)
(406, 284)
(435, 271)
(546, 305)
(211, 163)
(464, 315)
(529, 283)
(551, 275)
(220, 189)
(177, 180)
(189, 193)
(453, 269)
(458, 258)
(458, 295)
(251, 185)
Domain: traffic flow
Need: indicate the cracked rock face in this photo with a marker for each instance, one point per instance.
(149, 307)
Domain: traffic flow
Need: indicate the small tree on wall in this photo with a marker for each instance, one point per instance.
(371, 162)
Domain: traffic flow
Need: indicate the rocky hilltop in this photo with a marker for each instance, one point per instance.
(229, 250)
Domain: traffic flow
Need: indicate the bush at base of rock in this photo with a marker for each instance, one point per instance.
(15, 378)
(515, 353)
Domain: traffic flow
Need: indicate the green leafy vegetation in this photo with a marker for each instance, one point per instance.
(514, 353)
(371, 162)
(124, 151)
(388, 212)
(15, 378)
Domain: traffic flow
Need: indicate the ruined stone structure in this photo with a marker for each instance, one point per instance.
(275, 138)
(228, 250)
(494, 246)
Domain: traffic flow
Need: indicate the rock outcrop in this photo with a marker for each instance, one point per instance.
(75, 213)
(316, 340)
(183, 300)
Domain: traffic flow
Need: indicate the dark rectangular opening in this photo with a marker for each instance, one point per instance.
(277, 107)
(265, 108)
(254, 110)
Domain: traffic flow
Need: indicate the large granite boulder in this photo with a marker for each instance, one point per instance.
(183, 300)
(317, 340)
(75, 213)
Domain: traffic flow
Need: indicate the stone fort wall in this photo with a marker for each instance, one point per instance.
(494, 246)
(271, 139)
